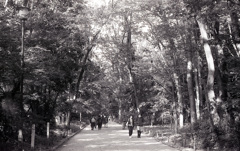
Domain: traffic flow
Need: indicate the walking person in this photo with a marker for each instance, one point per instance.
(106, 119)
(93, 123)
(124, 121)
(139, 125)
(130, 124)
(99, 122)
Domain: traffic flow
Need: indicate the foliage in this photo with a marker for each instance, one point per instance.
(118, 57)
(55, 46)
(208, 138)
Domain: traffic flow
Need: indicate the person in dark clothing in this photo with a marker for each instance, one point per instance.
(130, 124)
(103, 120)
(99, 122)
(139, 125)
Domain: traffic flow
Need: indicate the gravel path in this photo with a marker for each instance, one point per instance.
(112, 138)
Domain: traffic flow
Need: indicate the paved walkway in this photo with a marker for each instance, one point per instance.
(112, 138)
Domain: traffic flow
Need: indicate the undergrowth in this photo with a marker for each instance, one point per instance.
(221, 138)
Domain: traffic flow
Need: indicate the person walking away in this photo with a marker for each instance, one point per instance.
(106, 119)
(139, 125)
(93, 123)
(99, 121)
(103, 120)
(130, 124)
(124, 121)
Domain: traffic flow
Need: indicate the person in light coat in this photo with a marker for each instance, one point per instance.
(130, 124)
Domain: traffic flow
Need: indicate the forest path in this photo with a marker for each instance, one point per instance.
(112, 138)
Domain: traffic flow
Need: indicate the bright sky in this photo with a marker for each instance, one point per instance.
(97, 3)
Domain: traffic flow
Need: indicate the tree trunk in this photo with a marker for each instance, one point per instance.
(211, 69)
(197, 75)
(219, 82)
(190, 88)
(179, 97)
(196, 79)
(235, 31)
(130, 56)
(174, 112)
(120, 110)
(175, 117)
(190, 79)
(80, 76)
(178, 86)
(200, 85)
(223, 76)
(225, 89)
(232, 42)
(68, 119)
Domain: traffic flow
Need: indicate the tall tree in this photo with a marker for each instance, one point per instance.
(190, 80)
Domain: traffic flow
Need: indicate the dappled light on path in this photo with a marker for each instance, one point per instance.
(112, 138)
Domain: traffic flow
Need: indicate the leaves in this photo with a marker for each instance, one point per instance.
(103, 47)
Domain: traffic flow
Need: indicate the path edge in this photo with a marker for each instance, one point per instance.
(66, 139)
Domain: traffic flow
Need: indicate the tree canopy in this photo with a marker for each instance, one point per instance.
(176, 60)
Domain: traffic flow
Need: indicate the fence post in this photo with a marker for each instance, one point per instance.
(185, 140)
(20, 135)
(48, 130)
(20, 138)
(33, 136)
(80, 116)
(182, 139)
(194, 141)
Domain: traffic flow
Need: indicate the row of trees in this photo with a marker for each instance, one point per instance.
(58, 73)
(178, 58)
(173, 60)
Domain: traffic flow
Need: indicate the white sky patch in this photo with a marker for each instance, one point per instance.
(97, 3)
(145, 29)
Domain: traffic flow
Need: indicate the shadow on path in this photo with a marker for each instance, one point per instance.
(112, 138)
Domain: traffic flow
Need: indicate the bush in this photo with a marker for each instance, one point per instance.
(217, 138)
